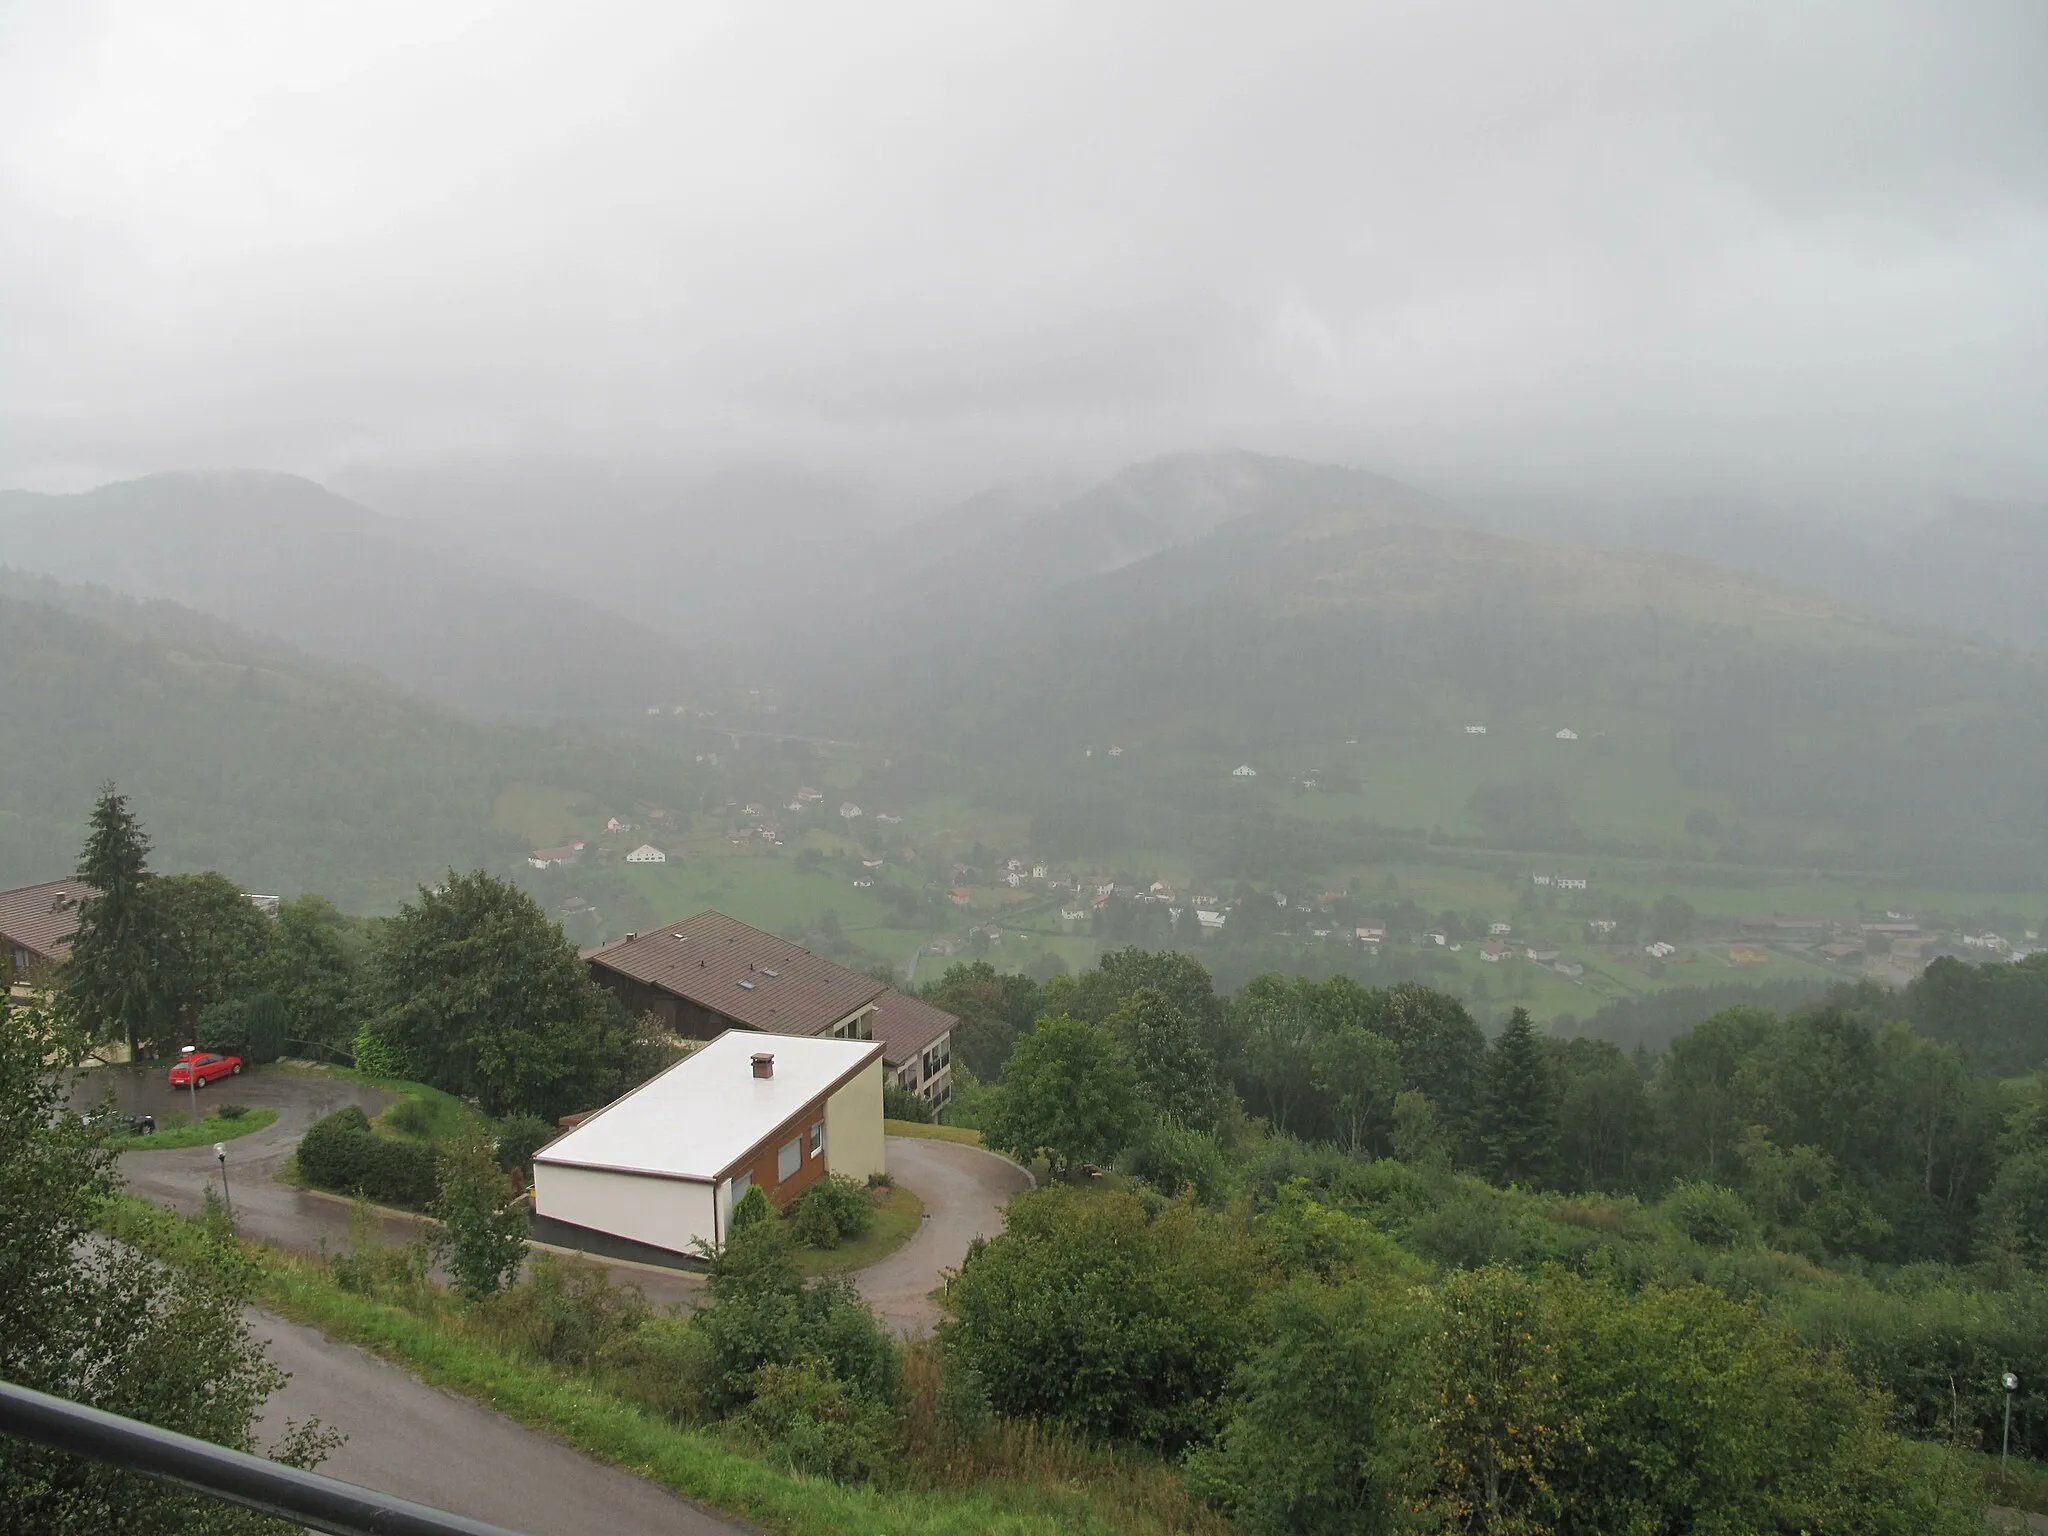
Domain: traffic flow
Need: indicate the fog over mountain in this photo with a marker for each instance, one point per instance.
(917, 249)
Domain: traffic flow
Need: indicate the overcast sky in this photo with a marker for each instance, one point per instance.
(1549, 244)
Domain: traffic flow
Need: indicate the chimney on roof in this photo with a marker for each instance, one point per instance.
(764, 1064)
(631, 937)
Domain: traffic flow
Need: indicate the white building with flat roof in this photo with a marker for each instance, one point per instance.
(665, 1165)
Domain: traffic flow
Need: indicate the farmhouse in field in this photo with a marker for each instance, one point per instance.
(647, 853)
(1244, 771)
(36, 924)
(1567, 734)
(556, 858)
(664, 1166)
(710, 973)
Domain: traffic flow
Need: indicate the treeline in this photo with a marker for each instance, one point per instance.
(1759, 1146)
(470, 988)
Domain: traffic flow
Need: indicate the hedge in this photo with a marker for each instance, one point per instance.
(343, 1154)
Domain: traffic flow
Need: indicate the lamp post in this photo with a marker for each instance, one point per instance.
(220, 1150)
(190, 1055)
(2012, 1385)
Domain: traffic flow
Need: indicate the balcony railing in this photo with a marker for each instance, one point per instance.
(234, 1477)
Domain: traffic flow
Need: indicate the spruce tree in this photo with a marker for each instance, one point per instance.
(114, 973)
(1517, 1107)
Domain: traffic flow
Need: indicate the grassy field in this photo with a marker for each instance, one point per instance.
(771, 893)
(544, 815)
(214, 1127)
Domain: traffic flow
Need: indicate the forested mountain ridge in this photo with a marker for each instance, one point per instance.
(281, 555)
(287, 773)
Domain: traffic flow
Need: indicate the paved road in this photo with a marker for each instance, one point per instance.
(964, 1190)
(421, 1443)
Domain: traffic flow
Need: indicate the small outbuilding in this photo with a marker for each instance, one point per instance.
(665, 1165)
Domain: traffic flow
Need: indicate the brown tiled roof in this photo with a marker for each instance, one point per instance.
(906, 1026)
(703, 959)
(42, 918)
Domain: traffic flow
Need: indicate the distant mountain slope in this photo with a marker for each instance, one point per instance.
(1340, 640)
(241, 755)
(279, 554)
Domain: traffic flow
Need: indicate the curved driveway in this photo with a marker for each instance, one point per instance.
(964, 1190)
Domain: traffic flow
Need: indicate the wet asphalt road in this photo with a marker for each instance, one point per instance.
(421, 1443)
(964, 1190)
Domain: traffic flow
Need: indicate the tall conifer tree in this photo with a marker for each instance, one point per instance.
(1518, 1107)
(114, 972)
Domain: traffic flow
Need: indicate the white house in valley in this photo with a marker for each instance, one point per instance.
(647, 853)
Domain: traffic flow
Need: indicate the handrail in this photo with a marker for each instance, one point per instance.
(236, 1477)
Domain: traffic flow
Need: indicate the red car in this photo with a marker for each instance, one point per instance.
(206, 1067)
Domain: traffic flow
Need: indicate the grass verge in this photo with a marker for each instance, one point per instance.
(195, 1133)
(923, 1132)
(697, 1463)
(896, 1221)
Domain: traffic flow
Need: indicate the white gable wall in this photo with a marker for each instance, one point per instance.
(666, 1213)
(853, 1126)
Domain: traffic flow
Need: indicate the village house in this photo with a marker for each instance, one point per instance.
(848, 809)
(1500, 930)
(36, 925)
(1541, 879)
(1660, 950)
(958, 896)
(809, 795)
(1073, 915)
(1493, 951)
(1211, 921)
(1567, 734)
(888, 820)
(1437, 937)
(1038, 871)
(1571, 882)
(616, 825)
(1542, 956)
(647, 853)
(1569, 968)
(710, 973)
(1602, 925)
(1475, 730)
(1244, 771)
(552, 858)
(1371, 933)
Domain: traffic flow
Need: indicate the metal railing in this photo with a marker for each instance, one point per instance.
(235, 1477)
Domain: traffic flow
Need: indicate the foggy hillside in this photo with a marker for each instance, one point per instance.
(281, 555)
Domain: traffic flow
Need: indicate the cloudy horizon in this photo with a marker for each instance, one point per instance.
(926, 247)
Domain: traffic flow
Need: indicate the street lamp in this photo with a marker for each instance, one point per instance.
(2012, 1385)
(190, 1054)
(220, 1150)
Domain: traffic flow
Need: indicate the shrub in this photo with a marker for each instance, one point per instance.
(232, 1111)
(1171, 1157)
(753, 1209)
(1712, 1216)
(519, 1137)
(835, 1202)
(812, 1225)
(665, 1365)
(566, 1312)
(410, 1116)
(1085, 1311)
(379, 1055)
(343, 1154)
(902, 1104)
(818, 1425)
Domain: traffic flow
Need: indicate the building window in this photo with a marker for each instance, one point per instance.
(788, 1160)
(818, 1139)
(741, 1183)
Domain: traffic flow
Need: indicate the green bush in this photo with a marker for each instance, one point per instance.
(666, 1366)
(519, 1137)
(343, 1154)
(410, 1116)
(812, 1225)
(232, 1111)
(815, 1423)
(902, 1104)
(1171, 1157)
(1710, 1215)
(378, 1055)
(830, 1211)
(566, 1312)
(753, 1209)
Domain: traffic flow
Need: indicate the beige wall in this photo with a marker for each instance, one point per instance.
(853, 1126)
(669, 1213)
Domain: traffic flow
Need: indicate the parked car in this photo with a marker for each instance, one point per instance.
(114, 1122)
(205, 1067)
